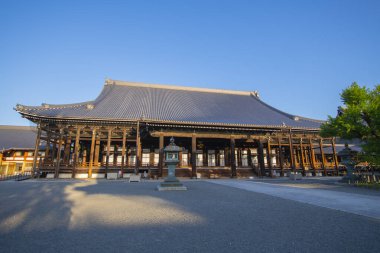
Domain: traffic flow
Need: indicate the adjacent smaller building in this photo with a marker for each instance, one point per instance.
(17, 144)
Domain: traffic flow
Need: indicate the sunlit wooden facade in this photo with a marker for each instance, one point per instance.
(17, 149)
(222, 133)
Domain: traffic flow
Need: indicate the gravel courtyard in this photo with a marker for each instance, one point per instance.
(116, 216)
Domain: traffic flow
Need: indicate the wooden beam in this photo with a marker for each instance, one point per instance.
(214, 135)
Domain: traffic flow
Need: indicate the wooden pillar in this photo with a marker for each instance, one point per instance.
(123, 151)
(269, 158)
(36, 148)
(280, 156)
(67, 150)
(312, 154)
(115, 150)
(249, 157)
(205, 157)
(92, 153)
(76, 151)
(59, 153)
(194, 156)
(161, 155)
(335, 156)
(109, 135)
(138, 148)
(292, 160)
(84, 157)
(260, 153)
(97, 151)
(54, 150)
(47, 148)
(322, 156)
(233, 162)
(302, 157)
(1, 164)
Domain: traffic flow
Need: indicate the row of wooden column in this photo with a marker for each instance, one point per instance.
(94, 151)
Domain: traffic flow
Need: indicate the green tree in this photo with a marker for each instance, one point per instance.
(359, 117)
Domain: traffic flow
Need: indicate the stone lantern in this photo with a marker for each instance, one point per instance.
(346, 160)
(171, 183)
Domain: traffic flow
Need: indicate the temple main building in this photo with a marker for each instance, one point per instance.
(222, 134)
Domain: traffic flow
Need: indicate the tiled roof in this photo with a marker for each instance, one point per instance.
(173, 104)
(17, 137)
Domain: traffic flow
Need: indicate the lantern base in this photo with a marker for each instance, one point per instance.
(172, 184)
(171, 188)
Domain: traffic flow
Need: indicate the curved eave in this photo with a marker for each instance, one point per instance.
(211, 125)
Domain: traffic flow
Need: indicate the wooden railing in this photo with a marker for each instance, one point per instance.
(18, 177)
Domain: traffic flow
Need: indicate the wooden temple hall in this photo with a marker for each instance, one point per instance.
(222, 134)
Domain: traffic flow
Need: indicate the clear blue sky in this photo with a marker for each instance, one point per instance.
(299, 55)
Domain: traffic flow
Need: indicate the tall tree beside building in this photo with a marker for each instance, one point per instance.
(359, 117)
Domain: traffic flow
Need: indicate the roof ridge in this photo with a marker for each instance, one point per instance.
(176, 87)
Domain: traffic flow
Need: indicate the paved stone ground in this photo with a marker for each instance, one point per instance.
(323, 193)
(99, 216)
(322, 183)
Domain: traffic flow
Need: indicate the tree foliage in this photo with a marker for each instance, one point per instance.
(359, 117)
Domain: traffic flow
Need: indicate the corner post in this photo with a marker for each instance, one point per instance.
(36, 148)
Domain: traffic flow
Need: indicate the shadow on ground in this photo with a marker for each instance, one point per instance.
(84, 216)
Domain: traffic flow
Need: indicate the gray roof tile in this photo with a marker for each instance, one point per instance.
(132, 101)
(17, 137)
